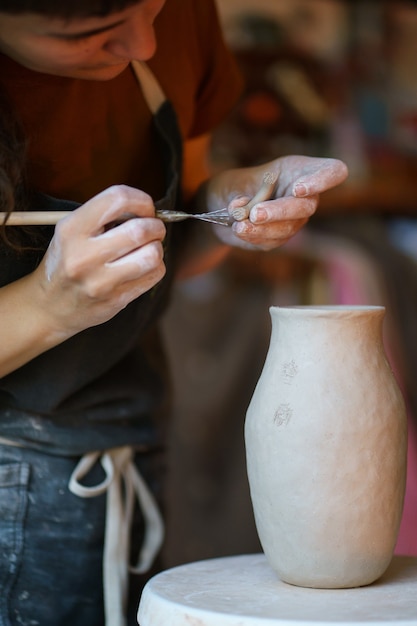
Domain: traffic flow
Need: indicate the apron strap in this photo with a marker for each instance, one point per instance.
(9, 442)
(118, 466)
(151, 89)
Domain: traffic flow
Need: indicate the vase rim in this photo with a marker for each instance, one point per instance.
(328, 308)
(332, 307)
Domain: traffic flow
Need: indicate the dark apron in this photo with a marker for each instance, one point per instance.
(103, 386)
(96, 395)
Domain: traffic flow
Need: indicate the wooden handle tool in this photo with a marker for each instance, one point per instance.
(44, 218)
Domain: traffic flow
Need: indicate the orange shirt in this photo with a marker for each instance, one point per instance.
(87, 135)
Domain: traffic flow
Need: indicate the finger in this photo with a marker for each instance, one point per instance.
(237, 202)
(123, 294)
(111, 205)
(142, 265)
(127, 237)
(268, 237)
(138, 262)
(283, 209)
(328, 174)
(138, 272)
(133, 289)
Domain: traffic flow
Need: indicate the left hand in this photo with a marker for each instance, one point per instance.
(273, 222)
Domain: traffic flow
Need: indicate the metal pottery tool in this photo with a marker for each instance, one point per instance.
(215, 217)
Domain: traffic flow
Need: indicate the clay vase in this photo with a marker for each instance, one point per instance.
(326, 437)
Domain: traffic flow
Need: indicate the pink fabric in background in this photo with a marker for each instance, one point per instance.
(407, 538)
(353, 278)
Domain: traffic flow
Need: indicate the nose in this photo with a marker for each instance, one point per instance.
(135, 39)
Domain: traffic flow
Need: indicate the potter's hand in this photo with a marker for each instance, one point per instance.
(90, 271)
(293, 200)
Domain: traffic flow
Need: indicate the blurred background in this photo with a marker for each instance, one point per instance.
(331, 78)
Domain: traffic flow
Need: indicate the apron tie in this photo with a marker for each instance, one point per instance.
(118, 466)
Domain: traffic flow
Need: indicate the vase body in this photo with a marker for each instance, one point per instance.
(326, 442)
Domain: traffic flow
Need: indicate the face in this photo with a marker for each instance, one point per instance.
(93, 48)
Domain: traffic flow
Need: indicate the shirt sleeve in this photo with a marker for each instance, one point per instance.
(221, 82)
(197, 71)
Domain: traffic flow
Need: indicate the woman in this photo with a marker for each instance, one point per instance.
(82, 392)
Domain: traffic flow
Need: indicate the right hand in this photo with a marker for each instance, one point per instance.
(90, 273)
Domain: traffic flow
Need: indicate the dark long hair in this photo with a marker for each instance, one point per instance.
(66, 9)
(15, 193)
(13, 189)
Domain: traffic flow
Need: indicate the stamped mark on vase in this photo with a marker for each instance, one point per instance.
(283, 415)
(289, 371)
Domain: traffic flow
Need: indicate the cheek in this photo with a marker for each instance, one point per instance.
(64, 56)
